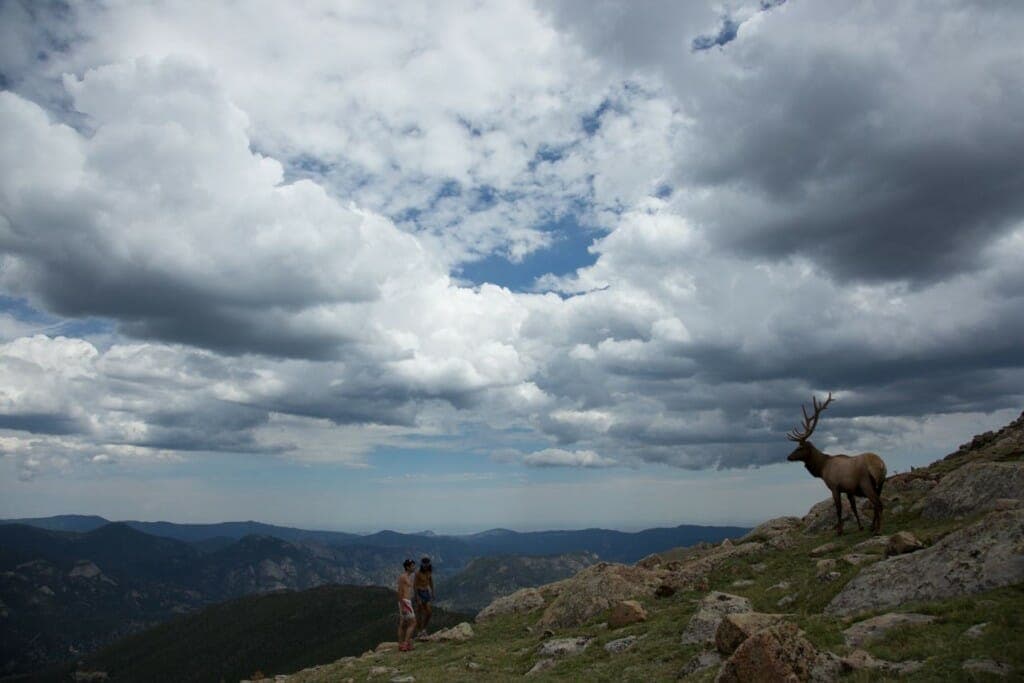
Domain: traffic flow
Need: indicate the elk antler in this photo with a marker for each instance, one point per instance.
(809, 422)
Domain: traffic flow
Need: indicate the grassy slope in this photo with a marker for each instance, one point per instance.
(505, 648)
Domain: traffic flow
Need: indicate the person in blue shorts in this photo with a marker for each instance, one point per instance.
(424, 586)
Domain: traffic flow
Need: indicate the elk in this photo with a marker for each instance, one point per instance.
(857, 476)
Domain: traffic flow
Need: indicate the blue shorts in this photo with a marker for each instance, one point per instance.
(424, 596)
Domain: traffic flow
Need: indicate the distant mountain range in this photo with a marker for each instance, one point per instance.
(453, 550)
(73, 583)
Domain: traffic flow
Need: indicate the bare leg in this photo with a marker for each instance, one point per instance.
(408, 626)
(838, 498)
(856, 513)
(427, 611)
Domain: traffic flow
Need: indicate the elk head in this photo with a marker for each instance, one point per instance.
(801, 435)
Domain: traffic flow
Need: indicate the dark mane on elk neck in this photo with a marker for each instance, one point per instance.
(858, 476)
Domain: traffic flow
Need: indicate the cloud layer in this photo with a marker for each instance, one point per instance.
(273, 238)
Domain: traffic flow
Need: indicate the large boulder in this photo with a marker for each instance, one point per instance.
(594, 590)
(985, 555)
(859, 660)
(776, 532)
(564, 647)
(736, 628)
(625, 613)
(777, 653)
(704, 623)
(822, 516)
(694, 570)
(459, 632)
(524, 600)
(973, 488)
(901, 543)
(874, 628)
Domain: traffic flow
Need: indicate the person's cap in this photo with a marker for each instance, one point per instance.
(425, 560)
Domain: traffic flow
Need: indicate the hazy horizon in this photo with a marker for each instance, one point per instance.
(499, 264)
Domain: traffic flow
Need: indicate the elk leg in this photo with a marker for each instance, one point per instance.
(838, 498)
(876, 503)
(856, 514)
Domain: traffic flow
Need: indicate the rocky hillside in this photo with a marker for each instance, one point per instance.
(487, 578)
(939, 596)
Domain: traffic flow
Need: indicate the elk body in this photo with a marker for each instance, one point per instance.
(857, 476)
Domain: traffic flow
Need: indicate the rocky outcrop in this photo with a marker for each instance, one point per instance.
(777, 653)
(985, 555)
(704, 623)
(524, 600)
(973, 488)
(564, 647)
(695, 570)
(736, 628)
(459, 632)
(704, 660)
(594, 590)
(901, 543)
(859, 660)
(777, 532)
(619, 645)
(625, 613)
(822, 516)
(874, 628)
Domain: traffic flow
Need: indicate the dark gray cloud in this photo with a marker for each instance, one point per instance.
(879, 152)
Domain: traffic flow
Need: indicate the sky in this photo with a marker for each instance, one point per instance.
(460, 265)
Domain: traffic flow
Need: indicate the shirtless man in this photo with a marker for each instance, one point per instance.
(406, 615)
(424, 585)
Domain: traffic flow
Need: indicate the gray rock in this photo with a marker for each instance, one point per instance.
(403, 679)
(704, 660)
(857, 559)
(822, 516)
(780, 586)
(786, 600)
(742, 583)
(901, 543)
(976, 631)
(473, 666)
(595, 589)
(715, 605)
(564, 647)
(621, 645)
(758, 567)
(859, 660)
(987, 666)
(829, 577)
(459, 632)
(541, 666)
(825, 549)
(875, 544)
(973, 488)
(874, 628)
(823, 567)
(773, 528)
(736, 628)
(985, 555)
